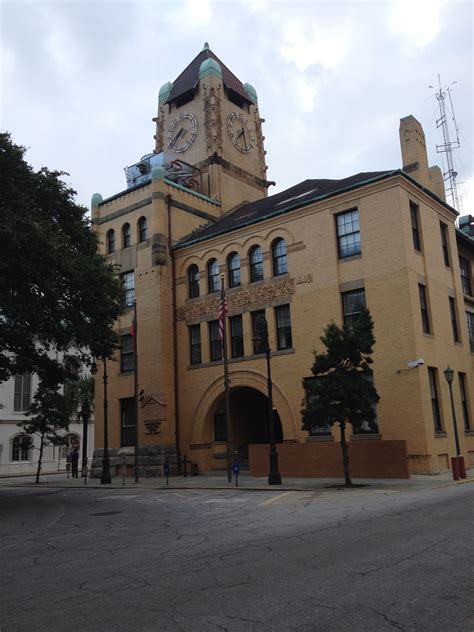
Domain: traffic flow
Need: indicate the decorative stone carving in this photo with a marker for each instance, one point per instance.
(305, 278)
(260, 139)
(236, 300)
(213, 119)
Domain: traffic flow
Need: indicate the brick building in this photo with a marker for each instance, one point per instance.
(198, 207)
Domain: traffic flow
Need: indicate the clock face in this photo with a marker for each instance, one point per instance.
(182, 132)
(240, 133)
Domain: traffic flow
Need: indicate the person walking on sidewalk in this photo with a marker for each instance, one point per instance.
(75, 463)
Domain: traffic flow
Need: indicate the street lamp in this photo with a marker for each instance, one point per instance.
(457, 462)
(105, 478)
(261, 339)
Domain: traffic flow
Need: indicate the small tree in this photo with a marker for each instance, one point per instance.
(48, 419)
(345, 392)
(79, 394)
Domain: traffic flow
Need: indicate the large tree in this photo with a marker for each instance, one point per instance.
(343, 391)
(57, 293)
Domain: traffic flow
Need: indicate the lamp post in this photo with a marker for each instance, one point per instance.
(457, 462)
(105, 478)
(261, 338)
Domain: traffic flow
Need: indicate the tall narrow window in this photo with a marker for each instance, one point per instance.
(352, 304)
(142, 229)
(110, 241)
(195, 344)
(433, 377)
(233, 268)
(193, 281)
(444, 243)
(465, 276)
(454, 320)
(470, 329)
(236, 336)
(348, 234)
(21, 446)
(215, 344)
(22, 395)
(128, 415)
(415, 225)
(126, 236)
(279, 257)
(425, 317)
(257, 348)
(283, 327)
(213, 277)
(128, 289)
(256, 264)
(464, 401)
(127, 356)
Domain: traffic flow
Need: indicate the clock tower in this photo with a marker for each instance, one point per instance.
(209, 129)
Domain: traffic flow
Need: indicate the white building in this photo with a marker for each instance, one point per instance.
(16, 457)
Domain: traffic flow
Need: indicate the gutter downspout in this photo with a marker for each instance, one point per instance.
(168, 200)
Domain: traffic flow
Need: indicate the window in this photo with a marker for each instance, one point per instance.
(433, 377)
(454, 321)
(142, 229)
(127, 355)
(352, 303)
(257, 348)
(193, 281)
(283, 327)
(110, 241)
(415, 225)
(256, 264)
(21, 446)
(425, 317)
(128, 289)
(128, 415)
(470, 329)
(233, 268)
(236, 337)
(465, 276)
(214, 341)
(195, 344)
(126, 236)
(444, 243)
(213, 278)
(348, 234)
(279, 257)
(220, 427)
(22, 395)
(464, 401)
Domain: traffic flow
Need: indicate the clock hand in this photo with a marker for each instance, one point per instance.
(176, 137)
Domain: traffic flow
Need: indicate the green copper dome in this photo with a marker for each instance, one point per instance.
(210, 67)
(250, 90)
(157, 173)
(165, 91)
(96, 200)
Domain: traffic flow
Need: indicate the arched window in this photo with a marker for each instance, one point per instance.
(233, 269)
(142, 230)
(110, 241)
(279, 257)
(126, 236)
(193, 281)
(21, 447)
(213, 278)
(256, 264)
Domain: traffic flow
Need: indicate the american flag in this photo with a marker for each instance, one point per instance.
(223, 307)
(133, 328)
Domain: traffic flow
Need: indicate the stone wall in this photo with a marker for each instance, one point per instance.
(151, 460)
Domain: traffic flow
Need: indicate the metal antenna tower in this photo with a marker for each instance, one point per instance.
(447, 147)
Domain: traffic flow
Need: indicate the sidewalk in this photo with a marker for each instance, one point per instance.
(218, 481)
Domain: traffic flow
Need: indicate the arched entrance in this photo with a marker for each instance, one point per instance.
(248, 420)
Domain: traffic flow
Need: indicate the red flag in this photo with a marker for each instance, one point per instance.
(222, 314)
(133, 328)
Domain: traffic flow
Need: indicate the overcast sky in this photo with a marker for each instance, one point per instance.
(80, 80)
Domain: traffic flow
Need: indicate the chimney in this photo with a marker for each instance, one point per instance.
(413, 146)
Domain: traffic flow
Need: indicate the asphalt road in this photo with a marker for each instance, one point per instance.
(142, 560)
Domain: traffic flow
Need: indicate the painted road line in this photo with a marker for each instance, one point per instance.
(272, 500)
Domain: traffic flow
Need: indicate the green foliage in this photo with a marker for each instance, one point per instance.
(79, 394)
(49, 416)
(56, 291)
(344, 392)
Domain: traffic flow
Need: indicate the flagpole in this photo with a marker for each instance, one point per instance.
(223, 316)
(135, 355)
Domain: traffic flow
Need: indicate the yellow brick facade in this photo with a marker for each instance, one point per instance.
(181, 399)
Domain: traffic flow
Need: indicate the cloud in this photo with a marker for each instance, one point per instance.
(418, 19)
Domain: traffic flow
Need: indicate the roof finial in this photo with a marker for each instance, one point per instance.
(206, 46)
